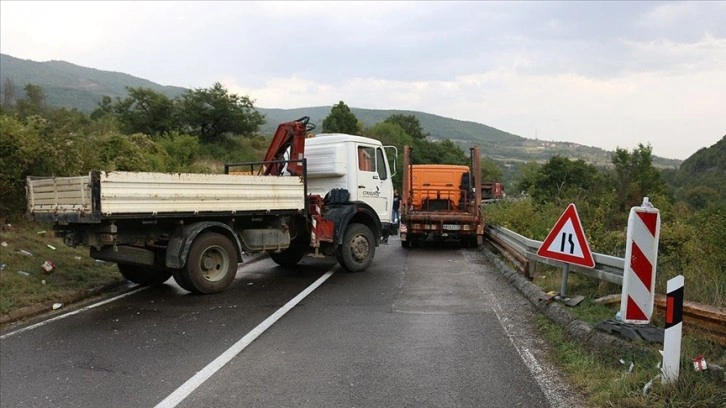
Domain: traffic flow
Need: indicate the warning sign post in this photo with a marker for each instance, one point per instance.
(641, 257)
(566, 243)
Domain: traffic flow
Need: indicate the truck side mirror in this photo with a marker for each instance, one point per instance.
(395, 155)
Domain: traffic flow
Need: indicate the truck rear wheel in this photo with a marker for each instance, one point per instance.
(211, 265)
(144, 275)
(410, 241)
(181, 280)
(358, 248)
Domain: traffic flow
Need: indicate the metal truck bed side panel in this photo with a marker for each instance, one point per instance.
(129, 192)
(166, 193)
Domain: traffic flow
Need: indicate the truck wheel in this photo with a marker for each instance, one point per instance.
(358, 248)
(406, 244)
(211, 265)
(411, 241)
(181, 280)
(144, 275)
(289, 257)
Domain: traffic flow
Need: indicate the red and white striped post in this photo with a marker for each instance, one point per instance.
(641, 254)
(673, 330)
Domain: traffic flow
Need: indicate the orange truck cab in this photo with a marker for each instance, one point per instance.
(437, 187)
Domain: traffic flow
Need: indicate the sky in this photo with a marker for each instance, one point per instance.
(605, 74)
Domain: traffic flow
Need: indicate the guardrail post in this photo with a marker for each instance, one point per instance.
(673, 330)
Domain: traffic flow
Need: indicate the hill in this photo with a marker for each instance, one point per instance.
(705, 169)
(71, 86)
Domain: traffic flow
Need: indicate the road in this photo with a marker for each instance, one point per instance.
(425, 327)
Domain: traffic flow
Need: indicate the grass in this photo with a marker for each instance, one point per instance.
(604, 379)
(23, 282)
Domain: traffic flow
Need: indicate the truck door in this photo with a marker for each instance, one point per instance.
(374, 184)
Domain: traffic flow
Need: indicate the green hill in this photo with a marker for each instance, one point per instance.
(71, 86)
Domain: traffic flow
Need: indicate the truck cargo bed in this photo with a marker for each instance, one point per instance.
(119, 194)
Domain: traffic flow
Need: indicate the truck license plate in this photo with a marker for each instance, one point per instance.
(451, 227)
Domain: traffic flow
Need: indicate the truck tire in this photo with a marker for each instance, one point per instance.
(358, 248)
(410, 242)
(289, 257)
(211, 264)
(181, 280)
(144, 275)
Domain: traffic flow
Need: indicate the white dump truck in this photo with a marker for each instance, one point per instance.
(323, 195)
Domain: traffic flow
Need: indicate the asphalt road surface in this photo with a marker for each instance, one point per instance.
(424, 327)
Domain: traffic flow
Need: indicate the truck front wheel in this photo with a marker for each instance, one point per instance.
(211, 265)
(358, 248)
(144, 275)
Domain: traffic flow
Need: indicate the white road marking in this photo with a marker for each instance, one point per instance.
(249, 261)
(544, 382)
(204, 374)
(548, 386)
(63, 316)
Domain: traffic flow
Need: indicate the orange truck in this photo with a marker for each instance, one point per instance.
(441, 202)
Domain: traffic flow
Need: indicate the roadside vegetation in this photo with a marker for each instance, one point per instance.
(691, 244)
(69, 272)
(202, 129)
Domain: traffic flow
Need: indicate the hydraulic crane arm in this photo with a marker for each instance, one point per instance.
(288, 139)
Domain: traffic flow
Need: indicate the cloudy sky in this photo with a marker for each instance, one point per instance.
(606, 74)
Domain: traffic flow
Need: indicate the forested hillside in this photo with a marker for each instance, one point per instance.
(70, 86)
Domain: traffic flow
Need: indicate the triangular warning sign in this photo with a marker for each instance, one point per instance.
(566, 241)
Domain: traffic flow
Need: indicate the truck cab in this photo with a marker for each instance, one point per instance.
(353, 163)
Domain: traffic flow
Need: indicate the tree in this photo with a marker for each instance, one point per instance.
(391, 134)
(33, 103)
(700, 197)
(105, 108)
(136, 152)
(527, 177)
(38, 146)
(144, 111)
(8, 93)
(212, 113)
(490, 171)
(635, 177)
(562, 179)
(341, 120)
(409, 124)
(443, 152)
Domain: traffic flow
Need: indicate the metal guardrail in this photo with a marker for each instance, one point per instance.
(608, 268)
(522, 251)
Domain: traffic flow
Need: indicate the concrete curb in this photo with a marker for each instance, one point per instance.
(594, 340)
